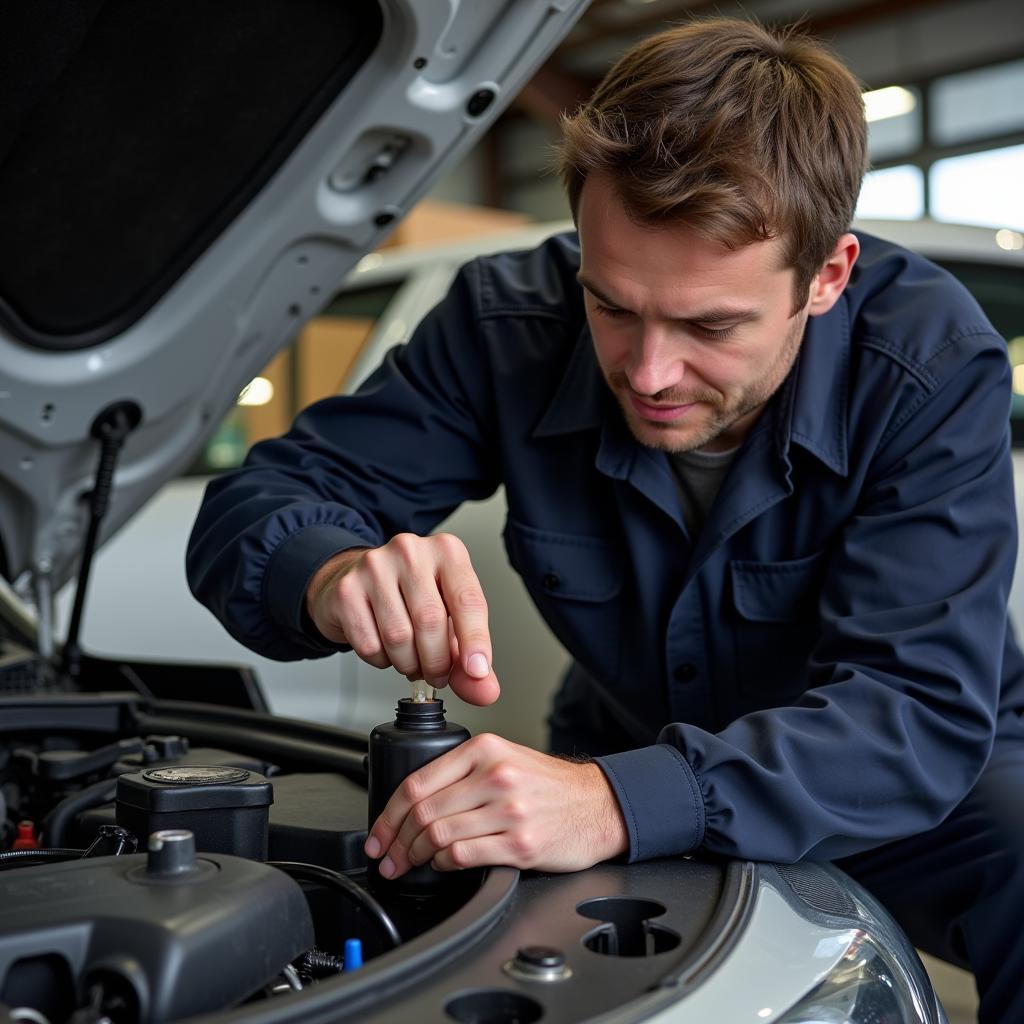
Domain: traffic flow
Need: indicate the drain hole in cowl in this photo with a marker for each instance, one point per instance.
(627, 928)
(493, 1006)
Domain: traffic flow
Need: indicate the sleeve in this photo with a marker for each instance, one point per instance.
(898, 719)
(352, 472)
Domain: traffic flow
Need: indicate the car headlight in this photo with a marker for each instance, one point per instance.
(867, 986)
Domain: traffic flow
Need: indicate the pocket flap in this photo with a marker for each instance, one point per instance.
(564, 565)
(777, 591)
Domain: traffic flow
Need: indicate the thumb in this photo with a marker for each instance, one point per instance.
(472, 690)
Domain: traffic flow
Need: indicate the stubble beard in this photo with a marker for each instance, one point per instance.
(724, 413)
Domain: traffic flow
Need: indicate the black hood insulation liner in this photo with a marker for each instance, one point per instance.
(132, 134)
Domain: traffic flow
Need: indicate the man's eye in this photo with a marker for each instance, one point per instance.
(719, 334)
(612, 311)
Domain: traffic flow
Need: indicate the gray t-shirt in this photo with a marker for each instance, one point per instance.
(699, 476)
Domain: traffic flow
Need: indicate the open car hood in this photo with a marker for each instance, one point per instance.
(182, 185)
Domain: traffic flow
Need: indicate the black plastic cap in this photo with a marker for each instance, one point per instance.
(171, 852)
(420, 714)
(194, 788)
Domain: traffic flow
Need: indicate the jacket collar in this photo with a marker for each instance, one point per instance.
(814, 400)
(581, 400)
(810, 409)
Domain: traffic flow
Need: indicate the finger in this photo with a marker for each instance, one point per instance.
(439, 835)
(453, 656)
(359, 628)
(421, 785)
(455, 799)
(395, 628)
(475, 853)
(427, 824)
(464, 598)
(429, 619)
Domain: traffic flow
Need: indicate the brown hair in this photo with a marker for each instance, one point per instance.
(739, 132)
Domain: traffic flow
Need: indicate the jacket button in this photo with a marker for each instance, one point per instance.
(551, 581)
(686, 673)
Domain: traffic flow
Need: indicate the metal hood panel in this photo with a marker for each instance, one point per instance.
(162, 263)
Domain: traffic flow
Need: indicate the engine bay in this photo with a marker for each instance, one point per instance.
(270, 899)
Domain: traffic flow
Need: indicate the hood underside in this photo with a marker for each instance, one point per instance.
(182, 185)
(140, 135)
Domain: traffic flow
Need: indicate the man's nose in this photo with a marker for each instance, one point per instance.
(655, 365)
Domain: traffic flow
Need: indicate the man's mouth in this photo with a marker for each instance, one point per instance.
(660, 412)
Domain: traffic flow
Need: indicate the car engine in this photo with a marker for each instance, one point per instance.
(146, 878)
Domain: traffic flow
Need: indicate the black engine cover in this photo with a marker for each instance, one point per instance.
(176, 946)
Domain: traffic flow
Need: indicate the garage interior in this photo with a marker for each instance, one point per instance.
(946, 81)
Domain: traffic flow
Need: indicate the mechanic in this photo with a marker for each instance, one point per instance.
(759, 484)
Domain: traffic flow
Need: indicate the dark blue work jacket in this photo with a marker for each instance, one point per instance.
(822, 669)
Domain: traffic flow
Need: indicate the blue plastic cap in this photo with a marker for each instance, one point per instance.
(353, 954)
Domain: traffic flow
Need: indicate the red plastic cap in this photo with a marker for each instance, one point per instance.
(26, 837)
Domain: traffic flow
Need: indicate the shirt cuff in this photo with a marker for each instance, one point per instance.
(291, 568)
(660, 799)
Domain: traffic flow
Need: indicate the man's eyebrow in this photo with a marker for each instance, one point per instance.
(734, 314)
(717, 315)
(595, 291)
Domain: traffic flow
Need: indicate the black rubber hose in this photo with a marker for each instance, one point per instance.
(44, 853)
(336, 880)
(55, 824)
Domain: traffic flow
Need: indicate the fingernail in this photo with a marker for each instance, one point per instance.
(387, 867)
(477, 666)
(372, 848)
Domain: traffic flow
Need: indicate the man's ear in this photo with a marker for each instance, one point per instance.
(830, 281)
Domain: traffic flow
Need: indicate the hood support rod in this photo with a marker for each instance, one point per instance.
(111, 428)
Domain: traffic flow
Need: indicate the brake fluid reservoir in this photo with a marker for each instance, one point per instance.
(419, 734)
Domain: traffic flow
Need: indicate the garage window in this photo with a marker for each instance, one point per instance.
(980, 188)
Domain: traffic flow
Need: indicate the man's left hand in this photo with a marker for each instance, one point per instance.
(491, 801)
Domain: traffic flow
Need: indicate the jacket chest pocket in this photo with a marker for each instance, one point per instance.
(776, 623)
(575, 582)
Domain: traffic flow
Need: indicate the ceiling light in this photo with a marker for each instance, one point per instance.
(1011, 241)
(892, 101)
(259, 391)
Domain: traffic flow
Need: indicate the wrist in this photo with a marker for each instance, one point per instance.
(605, 819)
(335, 567)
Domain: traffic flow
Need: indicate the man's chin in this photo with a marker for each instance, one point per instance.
(672, 438)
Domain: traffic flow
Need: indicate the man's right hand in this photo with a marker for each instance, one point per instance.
(414, 603)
